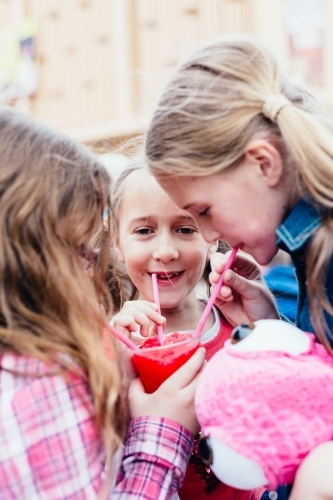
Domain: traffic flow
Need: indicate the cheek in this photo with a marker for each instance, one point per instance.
(135, 257)
(197, 262)
(226, 221)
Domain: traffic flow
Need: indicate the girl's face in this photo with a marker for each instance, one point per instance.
(156, 237)
(238, 206)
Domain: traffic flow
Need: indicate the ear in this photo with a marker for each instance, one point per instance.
(212, 248)
(266, 156)
(117, 250)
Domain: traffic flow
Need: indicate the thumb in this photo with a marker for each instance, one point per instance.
(246, 288)
(136, 385)
(137, 397)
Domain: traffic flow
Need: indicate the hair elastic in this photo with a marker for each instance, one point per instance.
(273, 106)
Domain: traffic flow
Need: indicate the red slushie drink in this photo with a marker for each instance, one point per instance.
(155, 363)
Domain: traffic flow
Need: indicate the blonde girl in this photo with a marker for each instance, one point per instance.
(61, 413)
(250, 157)
(151, 235)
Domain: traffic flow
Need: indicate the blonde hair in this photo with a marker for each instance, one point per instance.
(222, 97)
(48, 307)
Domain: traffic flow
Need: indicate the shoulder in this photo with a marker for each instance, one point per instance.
(41, 404)
(47, 426)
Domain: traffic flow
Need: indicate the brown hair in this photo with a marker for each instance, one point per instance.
(118, 283)
(222, 97)
(48, 308)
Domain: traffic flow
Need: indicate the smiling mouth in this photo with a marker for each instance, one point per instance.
(168, 276)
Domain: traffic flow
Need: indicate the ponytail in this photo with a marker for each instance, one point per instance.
(310, 145)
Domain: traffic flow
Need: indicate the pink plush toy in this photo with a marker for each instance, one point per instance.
(263, 402)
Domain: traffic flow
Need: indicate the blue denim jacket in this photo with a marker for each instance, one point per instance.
(294, 236)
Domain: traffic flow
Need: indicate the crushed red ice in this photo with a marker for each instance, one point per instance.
(168, 339)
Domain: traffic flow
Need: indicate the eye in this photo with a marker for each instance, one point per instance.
(241, 332)
(143, 230)
(205, 450)
(186, 230)
(203, 213)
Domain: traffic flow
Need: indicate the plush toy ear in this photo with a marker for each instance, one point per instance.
(230, 466)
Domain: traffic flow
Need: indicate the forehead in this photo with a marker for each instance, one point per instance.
(143, 194)
(182, 189)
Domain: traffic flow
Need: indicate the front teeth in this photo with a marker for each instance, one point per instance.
(167, 276)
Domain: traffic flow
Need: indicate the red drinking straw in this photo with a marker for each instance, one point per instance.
(215, 293)
(157, 301)
(123, 338)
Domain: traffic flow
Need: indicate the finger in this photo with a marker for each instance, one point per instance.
(153, 330)
(186, 373)
(149, 325)
(148, 312)
(192, 385)
(139, 318)
(242, 261)
(246, 288)
(225, 294)
(218, 265)
(128, 322)
(218, 261)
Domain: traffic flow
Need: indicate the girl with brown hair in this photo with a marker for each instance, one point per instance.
(250, 157)
(61, 413)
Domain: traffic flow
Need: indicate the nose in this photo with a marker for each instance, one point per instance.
(208, 232)
(165, 249)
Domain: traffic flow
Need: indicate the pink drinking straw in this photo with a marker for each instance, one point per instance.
(215, 293)
(123, 338)
(157, 301)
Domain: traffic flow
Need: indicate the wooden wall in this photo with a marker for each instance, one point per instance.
(102, 63)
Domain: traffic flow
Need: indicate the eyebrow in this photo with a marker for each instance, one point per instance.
(147, 217)
(140, 219)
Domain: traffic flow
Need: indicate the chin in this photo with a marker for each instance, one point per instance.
(264, 259)
(170, 305)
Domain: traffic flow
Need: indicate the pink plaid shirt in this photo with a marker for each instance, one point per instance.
(50, 449)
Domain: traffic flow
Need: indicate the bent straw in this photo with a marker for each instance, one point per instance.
(215, 293)
(123, 338)
(157, 302)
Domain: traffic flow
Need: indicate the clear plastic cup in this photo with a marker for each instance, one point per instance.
(156, 364)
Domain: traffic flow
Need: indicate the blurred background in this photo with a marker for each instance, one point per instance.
(95, 68)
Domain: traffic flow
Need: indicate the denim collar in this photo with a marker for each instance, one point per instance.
(301, 223)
